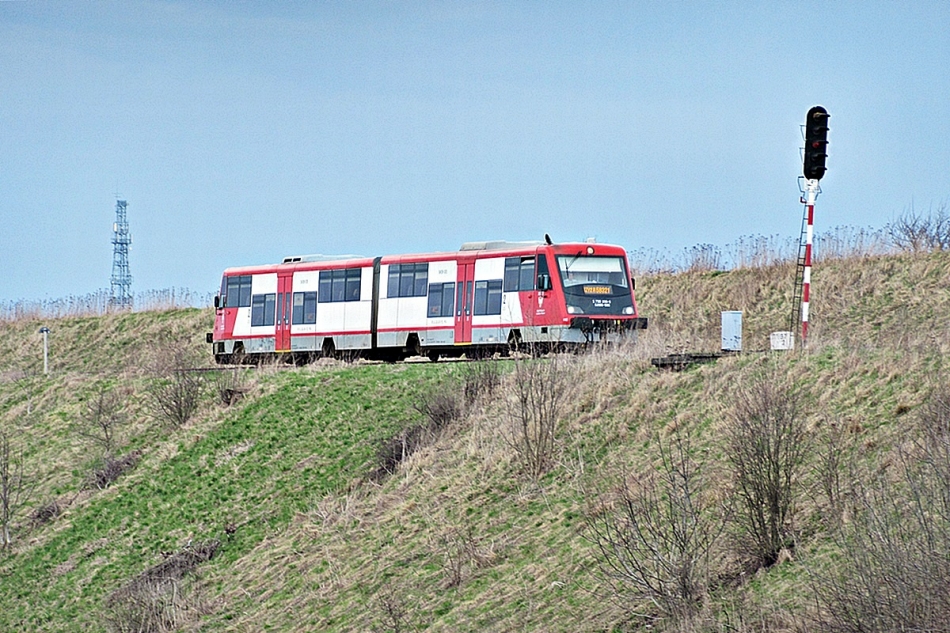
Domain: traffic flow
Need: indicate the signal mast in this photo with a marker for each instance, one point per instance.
(813, 168)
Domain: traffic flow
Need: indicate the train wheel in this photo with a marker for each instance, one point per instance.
(433, 355)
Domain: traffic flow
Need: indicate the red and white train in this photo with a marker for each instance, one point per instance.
(487, 297)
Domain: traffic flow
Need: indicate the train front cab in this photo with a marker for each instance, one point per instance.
(585, 294)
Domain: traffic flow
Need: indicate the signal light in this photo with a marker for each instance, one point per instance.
(816, 143)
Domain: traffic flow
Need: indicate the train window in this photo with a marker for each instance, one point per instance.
(310, 307)
(512, 274)
(297, 314)
(238, 292)
(421, 279)
(448, 299)
(340, 285)
(408, 280)
(338, 290)
(352, 285)
(481, 297)
(494, 296)
(488, 297)
(519, 274)
(263, 308)
(441, 300)
(526, 281)
(305, 308)
(392, 289)
(407, 276)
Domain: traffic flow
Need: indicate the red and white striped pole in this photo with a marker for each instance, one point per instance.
(811, 192)
(813, 168)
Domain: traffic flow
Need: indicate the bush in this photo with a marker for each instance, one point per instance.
(155, 601)
(655, 541)
(16, 487)
(103, 417)
(480, 380)
(766, 447)
(533, 409)
(439, 410)
(230, 386)
(917, 233)
(111, 469)
(176, 391)
(894, 571)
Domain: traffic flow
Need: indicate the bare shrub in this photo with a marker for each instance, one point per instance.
(230, 386)
(933, 445)
(480, 379)
(894, 570)
(101, 420)
(395, 450)
(533, 409)
(460, 551)
(175, 392)
(655, 542)
(917, 233)
(832, 453)
(766, 447)
(111, 469)
(156, 600)
(46, 513)
(394, 613)
(439, 411)
(16, 487)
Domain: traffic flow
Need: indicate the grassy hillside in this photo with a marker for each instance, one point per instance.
(402, 497)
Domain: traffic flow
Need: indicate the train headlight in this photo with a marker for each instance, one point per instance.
(628, 310)
(574, 310)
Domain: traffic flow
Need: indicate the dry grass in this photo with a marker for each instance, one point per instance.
(458, 538)
(408, 547)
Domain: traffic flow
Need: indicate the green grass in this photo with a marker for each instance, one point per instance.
(313, 433)
(319, 545)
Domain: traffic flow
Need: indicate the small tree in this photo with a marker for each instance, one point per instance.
(176, 391)
(766, 446)
(894, 572)
(655, 542)
(916, 233)
(534, 408)
(102, 418)
(15, 487)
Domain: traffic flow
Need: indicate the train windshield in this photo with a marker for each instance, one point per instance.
(592, 271)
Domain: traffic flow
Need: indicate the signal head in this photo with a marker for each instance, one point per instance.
(816, 143)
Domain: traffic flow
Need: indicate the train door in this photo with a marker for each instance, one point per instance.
(463, 302)
(284, 309)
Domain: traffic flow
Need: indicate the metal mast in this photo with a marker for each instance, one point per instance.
(121, 277)
(813, 168)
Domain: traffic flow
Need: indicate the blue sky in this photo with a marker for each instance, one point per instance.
(241, 132)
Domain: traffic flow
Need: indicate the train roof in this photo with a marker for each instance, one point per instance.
(469, 249)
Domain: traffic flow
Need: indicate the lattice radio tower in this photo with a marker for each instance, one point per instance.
(121, 277)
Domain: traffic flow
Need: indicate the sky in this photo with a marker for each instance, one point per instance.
(244, 132)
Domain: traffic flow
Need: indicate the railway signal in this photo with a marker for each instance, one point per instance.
(813, 168)
(816, 143)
